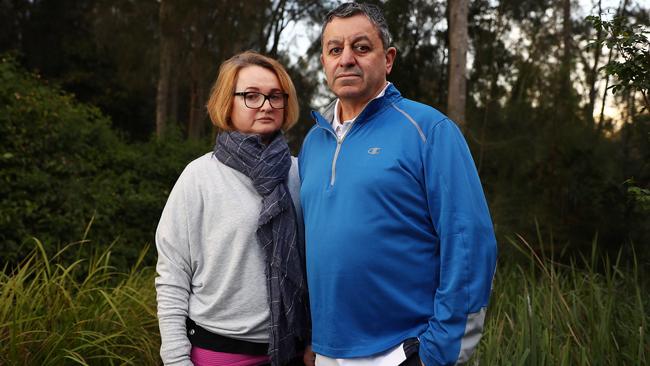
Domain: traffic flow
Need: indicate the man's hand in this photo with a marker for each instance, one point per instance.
(309, 357)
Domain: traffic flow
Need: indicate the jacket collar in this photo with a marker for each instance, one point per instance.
(325, 119)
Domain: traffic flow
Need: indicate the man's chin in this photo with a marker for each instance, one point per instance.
(348, 92)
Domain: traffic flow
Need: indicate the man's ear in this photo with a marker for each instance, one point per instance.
(391, 52)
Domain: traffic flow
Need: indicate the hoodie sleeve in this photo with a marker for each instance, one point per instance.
(467, 250)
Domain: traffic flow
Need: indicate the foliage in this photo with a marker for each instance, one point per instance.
(539, 154)
(421, 50)
(642, 196)
(591, 313)
(542, 313)
(633, 73)
(639, 195)
(83, 47)
(85, 313)
(532, 91)
(632, 44)
(62, 166)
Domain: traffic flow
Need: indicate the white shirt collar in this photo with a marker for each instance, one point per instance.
(342, 128)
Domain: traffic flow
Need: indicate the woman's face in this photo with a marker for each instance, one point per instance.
(258, 119)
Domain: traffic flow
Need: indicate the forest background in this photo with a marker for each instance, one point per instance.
(102, 105)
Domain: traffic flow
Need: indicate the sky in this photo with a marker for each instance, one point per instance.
(298, 36)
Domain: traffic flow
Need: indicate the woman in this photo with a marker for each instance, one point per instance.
(231, 288)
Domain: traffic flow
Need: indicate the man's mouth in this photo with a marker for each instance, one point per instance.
(347, 75)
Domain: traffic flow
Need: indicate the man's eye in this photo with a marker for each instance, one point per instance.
(335, 51)
(362, 48)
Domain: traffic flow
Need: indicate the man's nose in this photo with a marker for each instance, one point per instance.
(347, 57)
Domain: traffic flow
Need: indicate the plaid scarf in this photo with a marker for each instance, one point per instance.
(268, 168)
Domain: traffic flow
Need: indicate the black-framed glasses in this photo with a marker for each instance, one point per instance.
(256, 100)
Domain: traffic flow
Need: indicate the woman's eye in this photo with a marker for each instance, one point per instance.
(275, 97)
(252, 97)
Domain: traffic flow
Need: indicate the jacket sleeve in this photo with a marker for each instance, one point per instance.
(467, 251)
(174, 277)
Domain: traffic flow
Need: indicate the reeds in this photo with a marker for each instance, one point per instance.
(84, 313)
(594, 312)
(591, 312)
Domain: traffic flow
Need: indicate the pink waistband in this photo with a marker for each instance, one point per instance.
(206, 357)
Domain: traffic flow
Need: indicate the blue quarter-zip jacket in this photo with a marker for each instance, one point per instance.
(398, 234)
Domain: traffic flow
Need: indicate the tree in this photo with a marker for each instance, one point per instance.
(633, 45)
(592, 74)
(632, 72)
(208, 32)
(166, 31)
(458, 43)
(420, 71)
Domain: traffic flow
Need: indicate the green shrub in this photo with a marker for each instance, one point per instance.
(62, 166)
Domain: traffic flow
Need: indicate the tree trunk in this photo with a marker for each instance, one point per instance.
(592, 77)
(564, 97)
(198, 67)
(173, 96)
(601, 120)
(567, 33)
(458, 43)
(196, 123)
(166, 54)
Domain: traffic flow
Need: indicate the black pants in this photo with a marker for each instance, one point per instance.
(411, 349)
(295, 362)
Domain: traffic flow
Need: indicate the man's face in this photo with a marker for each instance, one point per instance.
(354, 59)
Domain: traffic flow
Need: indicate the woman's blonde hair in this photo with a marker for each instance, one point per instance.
(222, 94)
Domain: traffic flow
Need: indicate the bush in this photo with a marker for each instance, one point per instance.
(62, 167)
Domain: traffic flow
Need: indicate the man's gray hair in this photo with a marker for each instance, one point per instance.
(373, 12)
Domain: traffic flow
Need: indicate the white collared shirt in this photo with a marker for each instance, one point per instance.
(342, 128)
(392, 357)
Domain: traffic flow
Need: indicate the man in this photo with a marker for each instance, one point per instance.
(400, 246)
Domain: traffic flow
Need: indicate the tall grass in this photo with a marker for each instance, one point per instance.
(591, 312)
(84, 313)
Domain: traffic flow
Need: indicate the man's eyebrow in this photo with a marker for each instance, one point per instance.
(361, 37)
(355, 39)
(334, 41)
